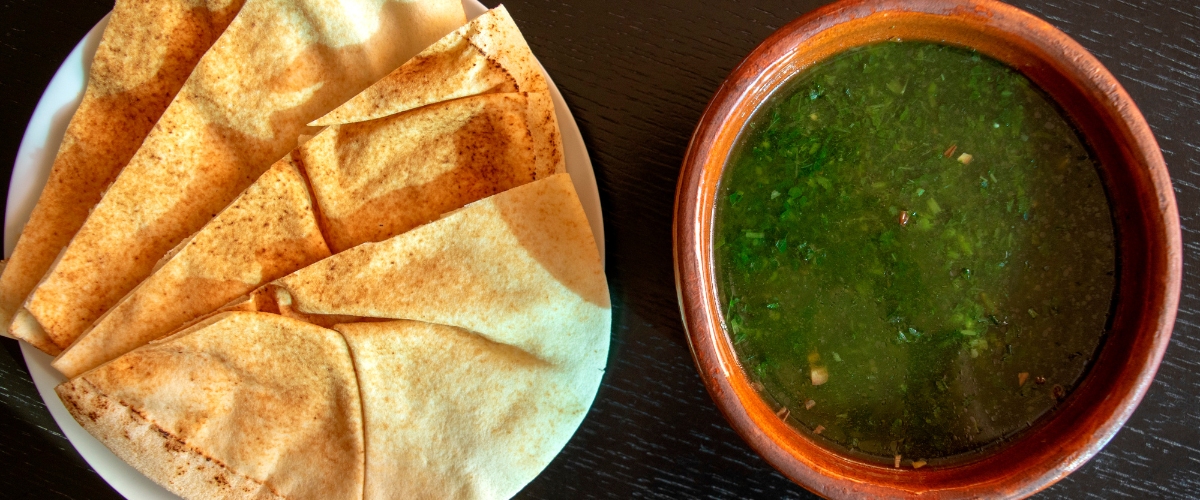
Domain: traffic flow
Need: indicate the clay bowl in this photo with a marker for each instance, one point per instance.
(1148, 239)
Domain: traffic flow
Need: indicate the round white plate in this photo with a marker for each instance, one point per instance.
(34, 159)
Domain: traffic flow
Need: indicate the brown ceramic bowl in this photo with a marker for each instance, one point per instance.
(1148, 239)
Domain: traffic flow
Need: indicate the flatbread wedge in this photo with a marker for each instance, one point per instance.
(445, 129)
(269, 231)
(487, 55)
(379, 178)
(243, 405)
(146, 52)
(449, 413)
(279, 65)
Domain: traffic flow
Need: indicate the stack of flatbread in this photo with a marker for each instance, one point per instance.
(277, 66)
(407, 304)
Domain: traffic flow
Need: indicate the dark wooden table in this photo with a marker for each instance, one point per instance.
(637, 74)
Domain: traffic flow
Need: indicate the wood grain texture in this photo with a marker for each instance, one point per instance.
(637, 75)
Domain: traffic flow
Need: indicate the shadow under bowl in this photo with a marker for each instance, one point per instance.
(1144, 215)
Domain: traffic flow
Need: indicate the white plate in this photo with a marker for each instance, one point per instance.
(32, 167)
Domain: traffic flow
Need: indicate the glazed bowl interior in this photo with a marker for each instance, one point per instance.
(1144, 215)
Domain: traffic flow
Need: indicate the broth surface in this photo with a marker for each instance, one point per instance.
(915, 251)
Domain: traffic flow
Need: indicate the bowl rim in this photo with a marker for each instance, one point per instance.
(815, 466)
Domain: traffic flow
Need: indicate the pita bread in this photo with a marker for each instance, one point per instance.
(487, 55)
(279, 65)
(450, 414)
(376, 179)
(244, 405)
(461, 355)
(268, 232)
(144, 56)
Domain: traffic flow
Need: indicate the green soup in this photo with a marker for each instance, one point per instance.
(915, 252)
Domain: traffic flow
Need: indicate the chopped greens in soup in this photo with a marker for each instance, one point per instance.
(914, 250)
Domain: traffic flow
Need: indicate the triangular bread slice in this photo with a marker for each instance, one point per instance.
(487, 55)
(451, 414)
(242, 405)
(379, 178)
(515, 268)
(266, 233)
(278, 66)
(146, 52)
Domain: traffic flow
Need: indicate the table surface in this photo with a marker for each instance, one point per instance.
(637, 75)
